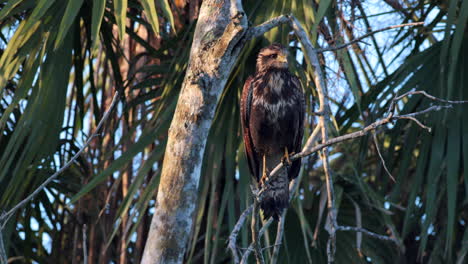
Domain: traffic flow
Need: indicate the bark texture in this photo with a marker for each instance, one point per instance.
(218, 39)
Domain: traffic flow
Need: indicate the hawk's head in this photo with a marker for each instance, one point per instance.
(272, 57)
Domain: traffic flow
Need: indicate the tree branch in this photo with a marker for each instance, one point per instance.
(255, 236)
(367, 232)
(261, 29)
(232, 245)
(3, 254)
(374, 137)
(279, 237)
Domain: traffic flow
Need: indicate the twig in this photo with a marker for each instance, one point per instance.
(418, 123)
(323, 200)
(235, 231)
(357, 211)
(279, 237)
(413, 92)
(251, 247)
(255, 236)
(266, 26)
(367, 232)
(3, 254)
(374, 136)
(5, 217)
(367, 35)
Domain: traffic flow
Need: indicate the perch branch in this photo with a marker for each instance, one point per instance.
(5, 217)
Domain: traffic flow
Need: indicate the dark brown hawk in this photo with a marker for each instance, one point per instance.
(272, 116)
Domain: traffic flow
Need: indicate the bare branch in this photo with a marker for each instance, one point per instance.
(323, 200)
(367, 232)
(412, 92)
(3, 254)
(266, 26)
(279, 237)
(255, 236)
(251, 247)
(367, 35)
(374, 136)
(5, 217)
(425, 111)
(417, 122)
(235, 231)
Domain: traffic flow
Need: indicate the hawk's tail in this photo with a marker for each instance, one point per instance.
(275, 196)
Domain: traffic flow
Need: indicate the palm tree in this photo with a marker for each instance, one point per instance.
(62, 62)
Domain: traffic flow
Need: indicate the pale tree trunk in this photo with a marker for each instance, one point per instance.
(216, 45)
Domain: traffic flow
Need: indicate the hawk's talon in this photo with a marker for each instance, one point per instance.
(285, 159)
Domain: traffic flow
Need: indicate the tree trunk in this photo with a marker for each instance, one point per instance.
(216, 45)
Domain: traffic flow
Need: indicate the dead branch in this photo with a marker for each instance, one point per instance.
(367, 232)
(3, 255)
(261, 29)
(232, 245)
(374, 136)
(255, 236)
(279, 237)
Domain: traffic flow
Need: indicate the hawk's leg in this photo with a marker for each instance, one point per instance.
(285, 159)
(264, 172)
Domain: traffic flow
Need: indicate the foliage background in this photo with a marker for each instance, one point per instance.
(62, 61)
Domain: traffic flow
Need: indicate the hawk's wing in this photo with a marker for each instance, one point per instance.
(246, 106)
(298, 127)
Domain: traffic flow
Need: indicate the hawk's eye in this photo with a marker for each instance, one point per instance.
(273, 56)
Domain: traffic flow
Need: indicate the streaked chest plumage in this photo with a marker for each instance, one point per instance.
(275, 95)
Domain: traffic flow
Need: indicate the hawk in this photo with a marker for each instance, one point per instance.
(272, 117)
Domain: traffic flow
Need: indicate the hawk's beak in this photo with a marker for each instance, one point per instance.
(282, 58)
